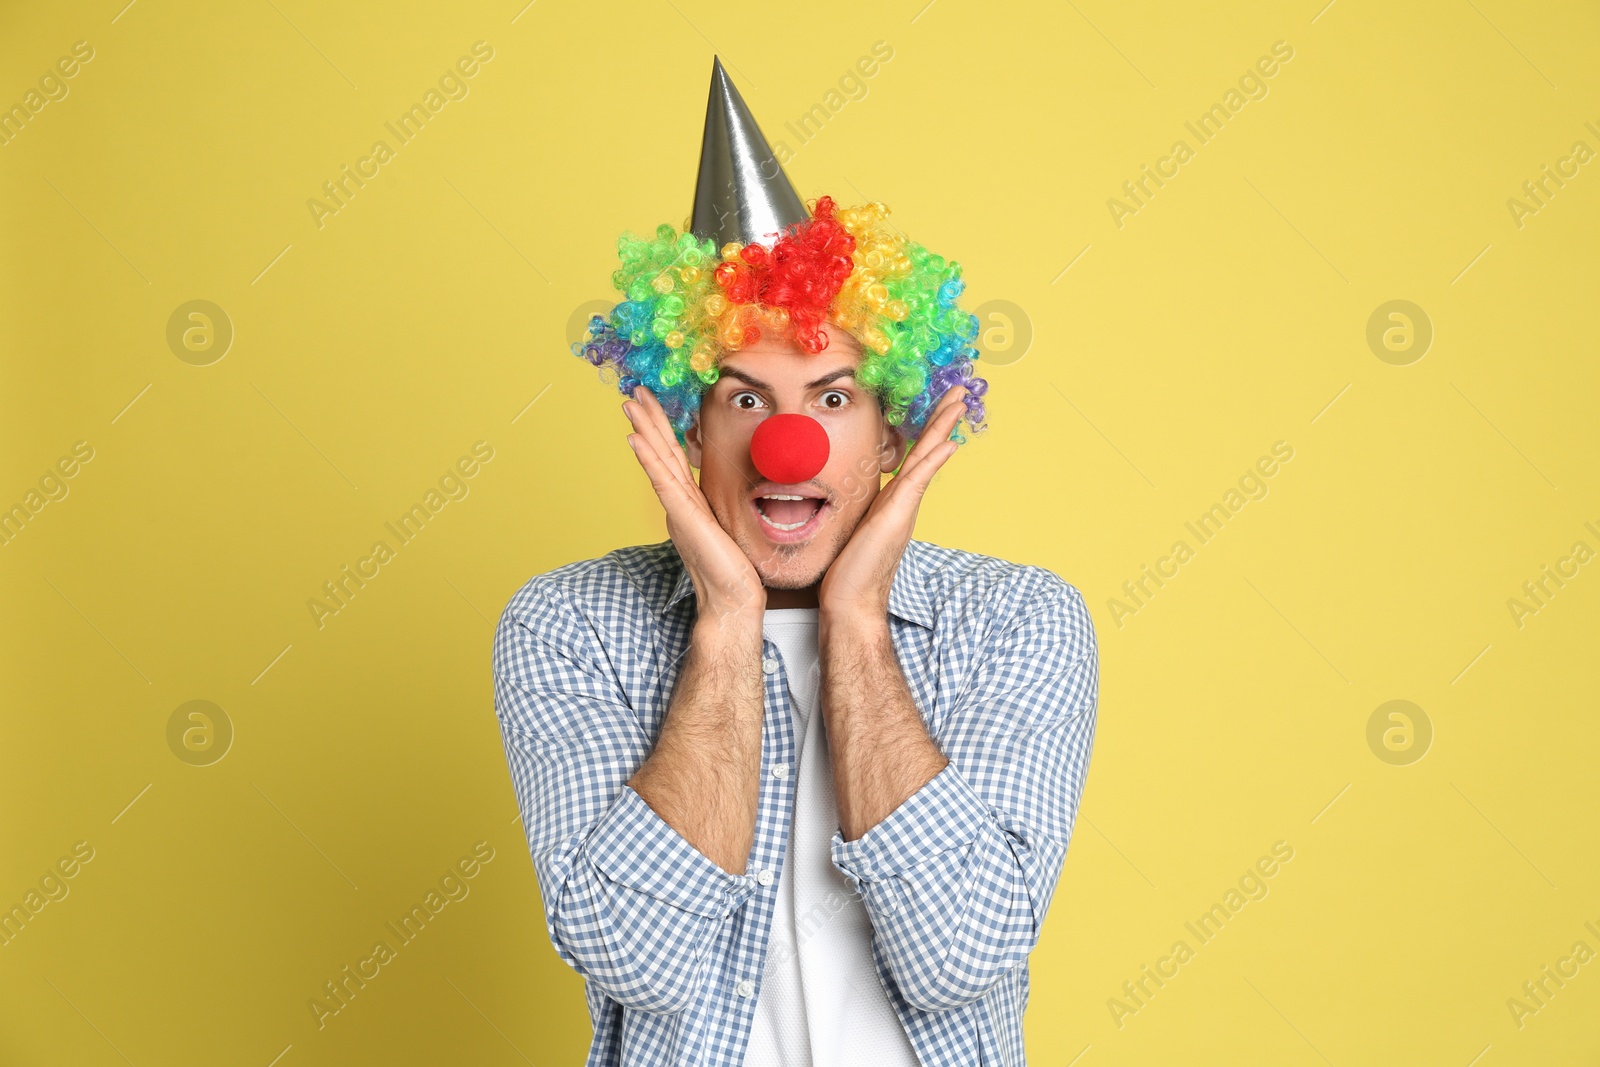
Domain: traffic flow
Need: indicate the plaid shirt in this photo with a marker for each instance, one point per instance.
(1000, 659)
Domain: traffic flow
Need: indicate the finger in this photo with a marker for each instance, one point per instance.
(951, 408)
(650, 421)
(903, 495)
(680, 495)
(644, 411)
(674, 495)
(694, 529)
(667, 436)
(936, 431)
(923, 476)
(913, 485)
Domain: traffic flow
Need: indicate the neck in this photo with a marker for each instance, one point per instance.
(792, 598)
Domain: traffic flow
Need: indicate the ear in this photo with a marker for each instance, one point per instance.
(691, 439)
(892, 448)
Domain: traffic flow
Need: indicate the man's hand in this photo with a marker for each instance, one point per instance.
(878, 743)
(856, 586)
(724, 580)
(703, 777)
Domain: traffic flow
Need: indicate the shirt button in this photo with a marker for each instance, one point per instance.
(769, 665)
(765, 877)
(745, 988)
(780, 770)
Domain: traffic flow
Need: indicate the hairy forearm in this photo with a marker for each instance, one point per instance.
(877, 743)
(704, 776)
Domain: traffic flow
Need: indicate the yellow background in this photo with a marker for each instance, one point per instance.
(1229, 313)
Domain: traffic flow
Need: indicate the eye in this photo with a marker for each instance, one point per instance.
(735, 400)
(844, 399)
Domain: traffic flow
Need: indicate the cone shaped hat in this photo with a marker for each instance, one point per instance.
(742, 193)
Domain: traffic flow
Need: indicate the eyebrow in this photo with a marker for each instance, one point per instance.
(831, 376)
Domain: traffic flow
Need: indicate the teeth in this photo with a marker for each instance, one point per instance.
(785, 525)
(781, 525)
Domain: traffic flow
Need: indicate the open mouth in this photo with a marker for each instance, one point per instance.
(791, 515)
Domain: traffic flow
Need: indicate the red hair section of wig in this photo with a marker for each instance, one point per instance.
(802, 273)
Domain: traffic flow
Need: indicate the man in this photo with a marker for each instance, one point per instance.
(797, 786)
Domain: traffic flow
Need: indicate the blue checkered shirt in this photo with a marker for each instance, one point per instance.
(1000, 659)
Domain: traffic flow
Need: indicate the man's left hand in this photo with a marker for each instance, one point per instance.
(856, 585)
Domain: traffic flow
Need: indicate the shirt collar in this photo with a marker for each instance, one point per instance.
(908, 592)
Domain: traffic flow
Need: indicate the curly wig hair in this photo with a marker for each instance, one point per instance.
(688, 303)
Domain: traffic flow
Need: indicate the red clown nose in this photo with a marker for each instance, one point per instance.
(789, 449)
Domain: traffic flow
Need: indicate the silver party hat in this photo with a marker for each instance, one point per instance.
(742, 193)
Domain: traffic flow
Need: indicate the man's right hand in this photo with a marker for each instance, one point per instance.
(707, 792)
(724, 580)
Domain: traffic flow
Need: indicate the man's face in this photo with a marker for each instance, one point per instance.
(776, 376)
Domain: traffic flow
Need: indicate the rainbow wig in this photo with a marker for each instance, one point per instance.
(685, 307)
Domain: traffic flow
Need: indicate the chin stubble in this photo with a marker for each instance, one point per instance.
(783, 555)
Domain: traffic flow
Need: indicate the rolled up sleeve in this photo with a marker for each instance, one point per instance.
(629, 903)
(958, 879)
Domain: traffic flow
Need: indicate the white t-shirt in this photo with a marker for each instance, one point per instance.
(820, 1003)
